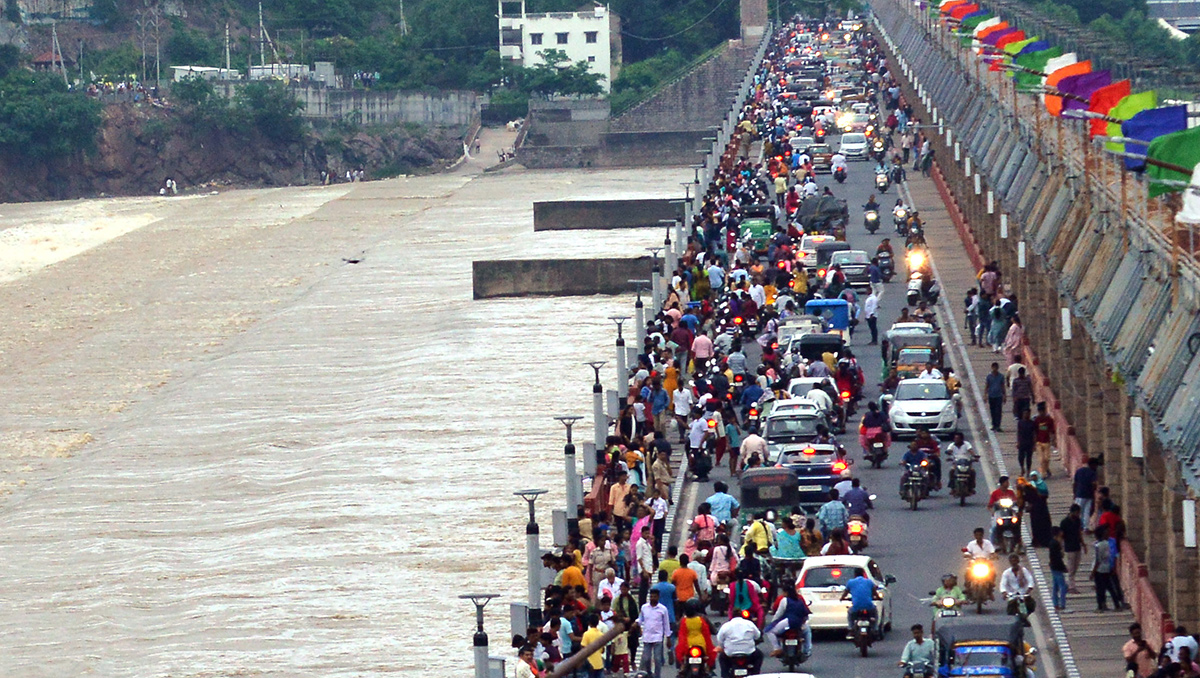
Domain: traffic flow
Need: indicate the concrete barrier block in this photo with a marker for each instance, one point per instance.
(566, 215)
(556, 277)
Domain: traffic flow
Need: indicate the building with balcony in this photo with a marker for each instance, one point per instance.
(591, 35)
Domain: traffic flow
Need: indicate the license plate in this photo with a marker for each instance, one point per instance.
(862, 624)
(695, 660)
(791, 641)
(831, 595)
(809, 488)
(741, 672)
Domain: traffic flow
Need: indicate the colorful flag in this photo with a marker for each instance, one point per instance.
(1035, 62)
(1057, 63)
(1180, 148)
(1054, 103)
(1082, 86)
(986, 24)
(996, 36)
(1035, 46)
(1102, 101)
(1151, 124)
(962, 10)
(1125, 109)
(1016, 36)
(1014, 48)
(981, 32)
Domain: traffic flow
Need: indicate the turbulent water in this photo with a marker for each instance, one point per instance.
(311, 500)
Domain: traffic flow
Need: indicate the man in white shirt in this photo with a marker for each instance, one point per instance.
(758, 294)
(1181, 640)
(959, 448)
(838, 160)
(684, 400)
(871, 313)
(751, 444)
(980, 547)
(931, 372)
(1017, 583)
(739, 636)
(611, 584)
(645, 561)
(821, 398)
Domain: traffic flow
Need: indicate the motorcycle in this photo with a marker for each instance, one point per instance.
(839, 174)
(1021, 605)
(900, 219)
(695, 664)
(886, 266)
(864, 635)
(945, 607)
(793, 649)
(871, 221)
(740, 665)
(752, 419)
(875, 445)
(878, 148)
(922, 287)
(980, 581)
(856, 529)
(882, 182)
(914, 484)
(1008, 526)
(916, 235)
(917, 669)
(962, 479)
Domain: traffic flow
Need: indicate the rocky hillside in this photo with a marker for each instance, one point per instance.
(138, 147)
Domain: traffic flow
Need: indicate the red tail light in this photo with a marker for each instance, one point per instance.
(809, 450)
(839, 466)
(782, 264)
(821, 273)
(753, 412)
(774, 345)
(695, 651)
(856, 529)
(737, 378)
(836, 574)
(712, 423)
(845, 395)
(738, 320)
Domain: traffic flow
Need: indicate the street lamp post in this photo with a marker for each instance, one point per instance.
(639, 315)
(574, 489)
(481, 639)
(622, 368)
(601, 421)
(655, 279)
(668, 250)
(533, 559)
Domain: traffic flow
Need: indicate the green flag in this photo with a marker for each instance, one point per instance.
(1125, 109)
(1180, 148)
(1014, 48)
(967, 28)
(1035, 61)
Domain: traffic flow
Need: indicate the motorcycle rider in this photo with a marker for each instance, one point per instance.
(739, 637)
(1017, 583)
(960, 449)
(918, 651)
(695, 631)
(874, 423)
(858, 500)
(871, 204)
(949, 589)
(1001, 492)
(861, 592)
(885, 246)
(792, 614)
(926, 443)
(980, 547)
(838, 161)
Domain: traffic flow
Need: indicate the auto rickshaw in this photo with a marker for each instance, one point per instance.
(756, 235)
(931, 342)
(983, 646)
(835, 313)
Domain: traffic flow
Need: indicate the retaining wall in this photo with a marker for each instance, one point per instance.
(449, 108)
(556, 277)
(566, 215)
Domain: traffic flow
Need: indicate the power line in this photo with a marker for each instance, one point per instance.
(679, 33)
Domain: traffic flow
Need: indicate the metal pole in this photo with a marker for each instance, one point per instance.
(622, 368)
(600, 422)
(481, 639)
(640, 312)
(669, 255)
(656, 295)
(574, 489)
(533, 559)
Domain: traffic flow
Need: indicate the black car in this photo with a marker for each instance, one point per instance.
(854, 265)
(818, 468)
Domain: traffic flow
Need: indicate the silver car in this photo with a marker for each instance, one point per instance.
(854, 145)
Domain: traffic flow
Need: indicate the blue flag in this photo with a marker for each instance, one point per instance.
(1149, 124)
(1035, 46)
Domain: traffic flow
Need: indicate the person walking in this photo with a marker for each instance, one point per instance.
(994, 385)
(1043, 438)
(1139, 656)
(871, 311)
(1103, 573)
(1022, 393)
(1058, 569)
(1073, 545)
(1084, 486)
(654, 623)
(1026, 433)
(971, 305)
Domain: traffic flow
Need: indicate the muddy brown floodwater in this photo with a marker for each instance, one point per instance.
(228, 452)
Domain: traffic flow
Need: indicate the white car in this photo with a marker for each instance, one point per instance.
(822, 581)
(808, 248)
(854, 145)
(922, 403)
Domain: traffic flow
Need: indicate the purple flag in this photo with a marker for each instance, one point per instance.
(1082, 85)
(1150, 124)
(994, 36)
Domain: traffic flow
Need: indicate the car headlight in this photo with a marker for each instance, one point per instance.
(899, 416)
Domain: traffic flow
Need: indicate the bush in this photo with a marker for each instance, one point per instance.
(40, 119)
(272, 109)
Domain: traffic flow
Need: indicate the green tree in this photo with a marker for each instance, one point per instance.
(557, 75)
(10, 59)
(187, 47)
(40, 119)
(272, 110)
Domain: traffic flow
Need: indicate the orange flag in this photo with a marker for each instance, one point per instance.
(991, 29)
(1054, 104)
(1103, 100)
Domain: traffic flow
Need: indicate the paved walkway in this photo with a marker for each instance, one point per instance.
(1094, 638)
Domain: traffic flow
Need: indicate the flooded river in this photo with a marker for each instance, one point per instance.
(304, 493)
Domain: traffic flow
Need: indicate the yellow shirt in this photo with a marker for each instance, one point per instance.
(771, 293)
(671, 381)
(595, 659)
(669, 565)
(573, 577)
(757, 534)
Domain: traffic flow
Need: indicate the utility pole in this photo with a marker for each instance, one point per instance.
(227, 65)
(262, 38)
(403, 21)
(154, 14)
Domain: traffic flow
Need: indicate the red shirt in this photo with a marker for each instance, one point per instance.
(998, 494)
(1045, 428)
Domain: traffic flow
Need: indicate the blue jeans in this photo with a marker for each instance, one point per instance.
(1059, 594)
(652, 658)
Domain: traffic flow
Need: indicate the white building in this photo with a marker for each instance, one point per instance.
(591, 35)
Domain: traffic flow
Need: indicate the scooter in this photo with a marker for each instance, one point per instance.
(839, 174)
(917, 669)
(946, 607)
(1008, 524)
(980, 581)
(922, 288)
(962, 479)
(871, 221)
(877, 450)
(882, 182)
(856, 529)
(900, 219)
(886, 266)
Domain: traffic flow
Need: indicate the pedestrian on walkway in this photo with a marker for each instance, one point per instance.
(1044, 438)
(1026, 433)
(1022, 393)
(971, 306)
(1084, 488)
(1058, 570)
(984, 314)
(1103, 573)
(1139, 656)
(995, 394)
(1073, 544)
(1014, 338)
(655, 625)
